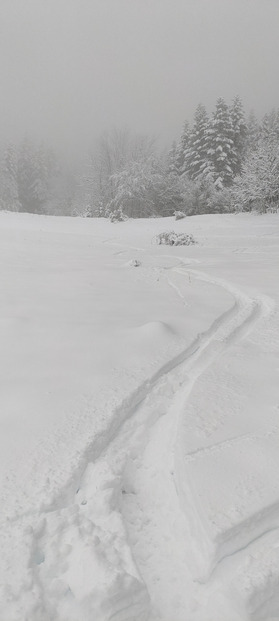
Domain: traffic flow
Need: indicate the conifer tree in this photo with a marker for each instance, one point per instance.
(197, 160)
(270, 126)
(221, 145)
(172, 160)
(182, 149)
(239, 135)
(253, 132)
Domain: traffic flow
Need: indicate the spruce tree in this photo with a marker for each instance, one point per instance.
(182, 149)
(253, 132)
(270, 126)
(197, 161)
(172, 163)
(221, 146)
(239, 134)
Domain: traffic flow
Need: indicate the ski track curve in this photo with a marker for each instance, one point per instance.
(127, 508)
(201, 560)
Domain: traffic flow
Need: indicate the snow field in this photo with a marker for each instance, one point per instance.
(146, 486)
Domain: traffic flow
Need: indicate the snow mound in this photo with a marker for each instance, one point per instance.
(155, 329)
(179, 215)
(134, 263)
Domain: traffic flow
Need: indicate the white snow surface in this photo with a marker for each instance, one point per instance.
(139, 461)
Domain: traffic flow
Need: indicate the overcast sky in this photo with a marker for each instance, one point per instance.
(70, 68)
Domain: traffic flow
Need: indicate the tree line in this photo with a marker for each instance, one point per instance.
(224, 161)
(228, 161)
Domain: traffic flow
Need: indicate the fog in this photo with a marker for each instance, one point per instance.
(71, 68)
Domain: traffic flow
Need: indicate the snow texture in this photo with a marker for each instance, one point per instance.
(139, 420)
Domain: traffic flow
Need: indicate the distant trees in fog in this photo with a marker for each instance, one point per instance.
(226, 161)
(33, 180)
(9, 198)
(117, 169)
(222, 162)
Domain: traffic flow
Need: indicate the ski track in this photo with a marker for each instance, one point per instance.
(131, 509)
(229, 329)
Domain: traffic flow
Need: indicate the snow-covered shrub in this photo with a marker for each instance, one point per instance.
(179, 215)
(170, 238)
(83, 212)
(117, 215)
(135, 263)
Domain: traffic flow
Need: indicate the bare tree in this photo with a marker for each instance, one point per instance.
(114, 151)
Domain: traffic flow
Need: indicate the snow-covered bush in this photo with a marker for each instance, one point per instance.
(170, 238)
(273, 209)
(117, 215)
(179, 215)
(134, 263)
(83, 212)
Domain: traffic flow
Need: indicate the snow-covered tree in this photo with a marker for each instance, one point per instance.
(239, 134)
(253, 132)
(270, 126)
(221, 145)
(143, 188)
(182, 149)
(172, 160)
(28, 178)
(201, 196)
(111, 155)
(258, 185)
(8, 179)
(197, 162)
(36, 169)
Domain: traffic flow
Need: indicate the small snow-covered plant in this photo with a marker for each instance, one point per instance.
(273, 209)
(170, 238)
(117, 215)
(134, 263)
(179, 215)
(83, 212)
(100, 211)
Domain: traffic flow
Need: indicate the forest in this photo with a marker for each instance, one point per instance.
(225, 161)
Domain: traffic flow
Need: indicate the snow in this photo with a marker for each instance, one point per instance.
(139, 419)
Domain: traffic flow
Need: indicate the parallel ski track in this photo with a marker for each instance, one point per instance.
(227, 330)
(135, 422)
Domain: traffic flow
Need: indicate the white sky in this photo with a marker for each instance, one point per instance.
(70, 68)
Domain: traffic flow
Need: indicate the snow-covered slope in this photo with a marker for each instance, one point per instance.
(139, 420)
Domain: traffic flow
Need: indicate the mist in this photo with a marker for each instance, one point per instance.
(72, 68)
